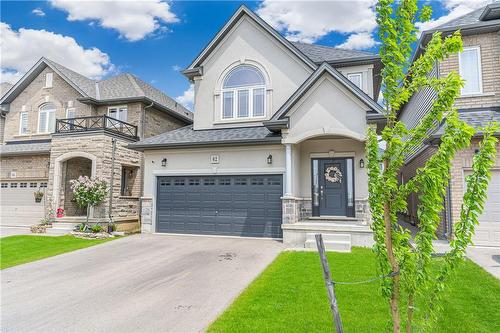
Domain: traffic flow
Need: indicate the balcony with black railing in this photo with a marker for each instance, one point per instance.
(90, 124)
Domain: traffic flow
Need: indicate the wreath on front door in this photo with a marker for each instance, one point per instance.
(333, 174)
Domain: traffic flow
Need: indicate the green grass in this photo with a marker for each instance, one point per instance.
(290, 296)
(16, 250)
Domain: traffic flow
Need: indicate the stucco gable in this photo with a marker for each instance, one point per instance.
(243, 12)
(326, 108)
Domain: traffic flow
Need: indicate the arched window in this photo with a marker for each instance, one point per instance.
(243, 93)
(47, 118)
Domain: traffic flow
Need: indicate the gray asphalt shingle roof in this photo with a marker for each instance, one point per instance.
(470, 18)
(25, 148)
(121, 87)
(475, 118)
(186, 136)
(322, 53)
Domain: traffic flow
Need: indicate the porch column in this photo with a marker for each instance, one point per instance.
(288, 170)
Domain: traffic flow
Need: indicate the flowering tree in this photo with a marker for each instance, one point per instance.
(89, 192)
(407, 266)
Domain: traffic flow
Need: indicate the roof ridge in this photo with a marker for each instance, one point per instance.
(133, 79)
(457, 18)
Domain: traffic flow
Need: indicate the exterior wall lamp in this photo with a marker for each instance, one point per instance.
(361, 163)
(164, 162)
(270, 159)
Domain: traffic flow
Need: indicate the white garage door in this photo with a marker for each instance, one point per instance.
(488, 230)
(17, 203)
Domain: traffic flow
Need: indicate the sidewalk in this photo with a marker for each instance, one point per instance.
(486, 257)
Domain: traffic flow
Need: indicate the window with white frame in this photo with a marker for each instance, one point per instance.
(117, 112)
(48, 80)
(470, 70)
(23, 123)
(47, 118)
(356, 78)
(243, 93)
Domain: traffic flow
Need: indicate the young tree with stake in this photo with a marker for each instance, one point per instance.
(408, 266)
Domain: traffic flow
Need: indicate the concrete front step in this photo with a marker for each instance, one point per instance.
(329, 237)
(333, 242)
(330, 246)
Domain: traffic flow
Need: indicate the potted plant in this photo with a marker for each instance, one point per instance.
(59, 213)
(38, 195)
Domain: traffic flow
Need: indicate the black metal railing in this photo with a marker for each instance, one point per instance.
(96, 123)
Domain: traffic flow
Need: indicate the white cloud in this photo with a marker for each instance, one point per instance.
(309, 21)
(456, 8)
(359, 41)
(38, 12)
(187, 98)
(23, 48)
(176, 68)
(133, 19)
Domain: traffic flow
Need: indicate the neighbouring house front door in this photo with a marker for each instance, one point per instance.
(333, 187)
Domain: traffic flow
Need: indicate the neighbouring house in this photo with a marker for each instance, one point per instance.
(277, 144)
(479, 104)
(58, 124)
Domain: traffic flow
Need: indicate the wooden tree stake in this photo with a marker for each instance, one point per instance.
(329, 284)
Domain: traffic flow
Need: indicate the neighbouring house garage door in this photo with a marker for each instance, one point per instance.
(220, 205)
(488, 231)
(17, 203)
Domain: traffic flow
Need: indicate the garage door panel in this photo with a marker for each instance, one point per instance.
(220, 205)
(487, 233)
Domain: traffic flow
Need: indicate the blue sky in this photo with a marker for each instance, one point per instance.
(155, 39)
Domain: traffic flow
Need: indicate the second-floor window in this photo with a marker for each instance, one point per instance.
(23, 123)
(243, 93)
(118, 112)
(47, 118)
(357, 79)
(470, 70)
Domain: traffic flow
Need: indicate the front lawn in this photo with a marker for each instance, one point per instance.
(16, 250)
(290, 296)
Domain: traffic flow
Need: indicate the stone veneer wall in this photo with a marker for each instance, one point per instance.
(299, 209)
(26, 167)
(100, 145)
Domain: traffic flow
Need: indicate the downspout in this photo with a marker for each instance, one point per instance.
(111, 182)
(143, 124)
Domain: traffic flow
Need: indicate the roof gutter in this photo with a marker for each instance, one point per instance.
(143, 147)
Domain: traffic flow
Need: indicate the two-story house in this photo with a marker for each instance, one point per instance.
(277, 144)
(58, 125)
(479, 103)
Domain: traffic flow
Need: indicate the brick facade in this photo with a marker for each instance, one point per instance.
(489, 44)
(25, 167)
(490, 59)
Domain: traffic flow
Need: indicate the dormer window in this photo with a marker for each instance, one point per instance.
(243, 93)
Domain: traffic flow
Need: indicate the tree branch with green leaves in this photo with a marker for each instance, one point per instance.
(410, 262)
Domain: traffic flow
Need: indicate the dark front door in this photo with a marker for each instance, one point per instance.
(332, 187)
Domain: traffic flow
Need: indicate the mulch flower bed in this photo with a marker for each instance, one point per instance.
(91, 235)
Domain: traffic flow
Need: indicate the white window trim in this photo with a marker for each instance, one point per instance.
(118, 107)
(21, 123)
(68, 110)
(46, 122)
(47, 75)
(480, 70)
(360, 74)
(250, 103)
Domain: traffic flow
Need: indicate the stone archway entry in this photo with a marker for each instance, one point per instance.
(72, 169)
(66, 167)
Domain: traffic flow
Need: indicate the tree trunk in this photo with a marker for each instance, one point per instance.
(410, 313)
(88, 213)
(394, 265)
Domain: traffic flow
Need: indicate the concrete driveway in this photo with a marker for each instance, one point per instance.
(141, 283)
